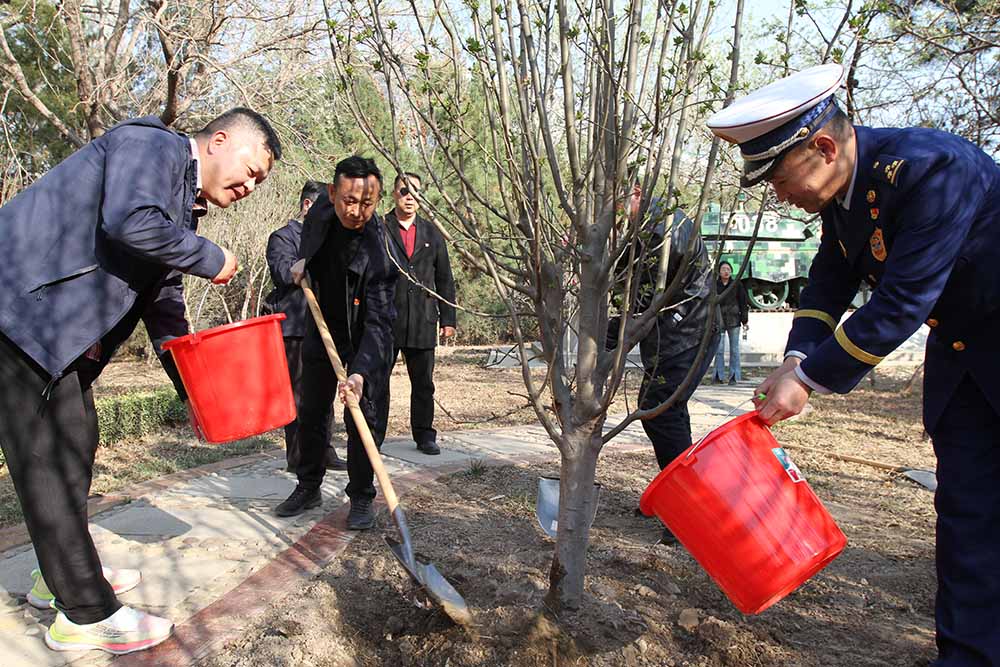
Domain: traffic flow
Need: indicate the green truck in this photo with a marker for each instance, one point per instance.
(779, 264)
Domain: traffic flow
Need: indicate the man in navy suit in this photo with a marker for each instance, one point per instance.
(96, 244)
(287, 298)
(915, 213)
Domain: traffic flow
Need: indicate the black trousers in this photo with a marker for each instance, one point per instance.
(420, 369)
(49, 446)
(670, 432)
(967, 500)
(293, 354)
(319, 391)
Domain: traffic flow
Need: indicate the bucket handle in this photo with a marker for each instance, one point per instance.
(759, 397)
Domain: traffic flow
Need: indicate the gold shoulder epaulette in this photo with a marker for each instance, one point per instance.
(887, 168)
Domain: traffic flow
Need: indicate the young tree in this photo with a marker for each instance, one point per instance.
(578, 101)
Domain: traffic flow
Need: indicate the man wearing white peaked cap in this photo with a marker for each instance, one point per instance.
(915, 213)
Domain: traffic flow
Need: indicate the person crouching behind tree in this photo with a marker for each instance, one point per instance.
(343, 250)
(670, 349)
(287, 298)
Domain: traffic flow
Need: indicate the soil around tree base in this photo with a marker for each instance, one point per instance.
(646, 604)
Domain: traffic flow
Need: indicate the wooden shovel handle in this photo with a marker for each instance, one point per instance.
(359, 419)
(850, 459)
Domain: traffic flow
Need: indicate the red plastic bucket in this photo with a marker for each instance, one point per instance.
(236, 377)
(743, 510)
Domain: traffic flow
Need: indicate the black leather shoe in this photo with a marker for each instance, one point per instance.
(302, 499)
(429, 447)
(333, 460)
(362, 514)
(732, 379)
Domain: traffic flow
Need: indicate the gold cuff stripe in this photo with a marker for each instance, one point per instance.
(854, 350)
(826, 318)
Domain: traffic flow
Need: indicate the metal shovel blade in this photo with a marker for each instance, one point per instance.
(547, 505)
(925, 478)
(427, 576)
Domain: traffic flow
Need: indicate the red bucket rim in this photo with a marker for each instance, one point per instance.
(222, 328)
(683, 457)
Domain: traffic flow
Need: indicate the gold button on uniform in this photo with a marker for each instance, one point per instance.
(932, 323)
(958, 346)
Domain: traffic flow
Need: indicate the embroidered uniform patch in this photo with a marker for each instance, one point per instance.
(877, 244)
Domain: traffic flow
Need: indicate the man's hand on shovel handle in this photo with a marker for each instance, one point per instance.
(355, 385)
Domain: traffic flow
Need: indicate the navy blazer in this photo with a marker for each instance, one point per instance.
(106, 226)
(923, 229)
(371, 286)
(286, 297)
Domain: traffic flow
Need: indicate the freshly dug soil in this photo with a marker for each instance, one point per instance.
(646, 604)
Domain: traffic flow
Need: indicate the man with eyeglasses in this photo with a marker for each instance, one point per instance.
(425, 293)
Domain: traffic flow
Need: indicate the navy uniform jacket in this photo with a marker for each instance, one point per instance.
(923, 229)
(99, 238)
(418, 311)
(371, 283)
(287, 297)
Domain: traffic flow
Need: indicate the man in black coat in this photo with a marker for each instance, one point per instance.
(343, 249)
(287, 298)
(419, 251)
(93, 246)
(670, 349)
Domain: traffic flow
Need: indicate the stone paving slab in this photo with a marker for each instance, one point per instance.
(406, 450)
(212, 542)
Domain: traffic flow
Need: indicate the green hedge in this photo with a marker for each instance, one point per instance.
(135, 415)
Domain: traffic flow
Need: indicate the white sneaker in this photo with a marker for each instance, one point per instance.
(125, 631)
(40, 597)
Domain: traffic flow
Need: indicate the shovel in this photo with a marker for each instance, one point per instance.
(547, 505)
(925, 478)
(420, 570)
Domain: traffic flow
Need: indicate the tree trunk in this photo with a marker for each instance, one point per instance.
(577, 498)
